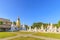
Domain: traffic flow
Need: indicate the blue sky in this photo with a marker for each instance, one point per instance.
(30, 11)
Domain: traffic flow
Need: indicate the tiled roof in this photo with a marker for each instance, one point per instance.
(2, 19)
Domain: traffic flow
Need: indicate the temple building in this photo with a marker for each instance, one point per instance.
(7, 25)
(4, 24)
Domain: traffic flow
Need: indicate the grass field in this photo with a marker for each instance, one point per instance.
(26, 38)
(9, 34)
(6, 34)
(51, 35)
(24, 32)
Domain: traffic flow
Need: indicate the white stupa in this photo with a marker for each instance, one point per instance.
(35, 29)
(39, 30)
(42, 28)
(50, 28)
(23, 27)
(13, 27)
(55, 29)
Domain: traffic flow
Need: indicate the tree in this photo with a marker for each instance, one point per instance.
(1, 22)
(55, 25)
(38, 25)
(58, 23)
(14, 23)
(45, 25)
(26, 26)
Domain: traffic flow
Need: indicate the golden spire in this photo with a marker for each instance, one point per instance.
(18, 22)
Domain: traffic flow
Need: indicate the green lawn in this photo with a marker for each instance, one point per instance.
(9, 34)
(26, 38)
(51, 35)
(6, 34)
(24, 32)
